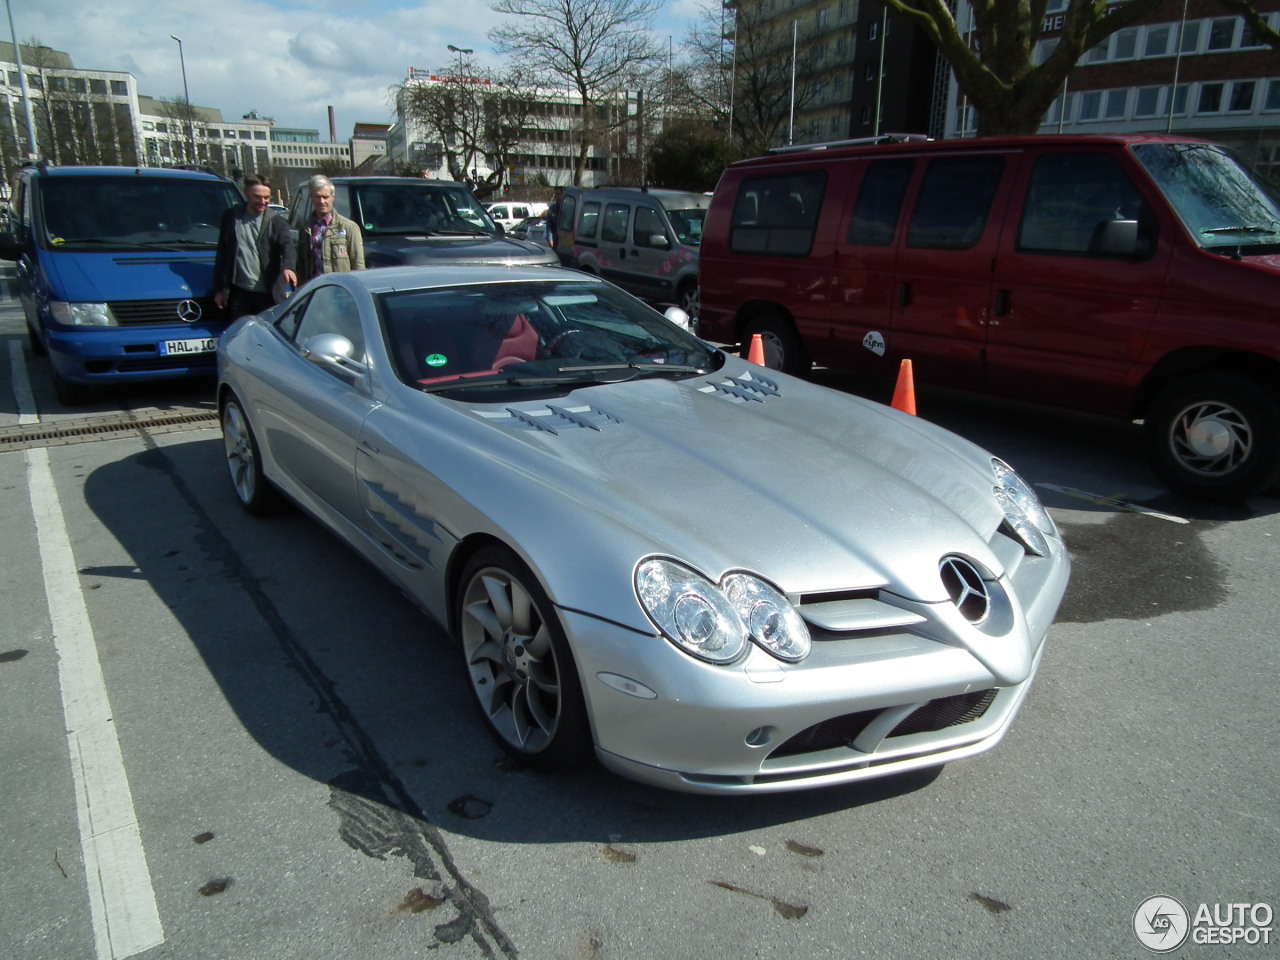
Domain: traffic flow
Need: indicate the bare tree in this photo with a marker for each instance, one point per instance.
(478, 117)
(594, 47)
(995, 64)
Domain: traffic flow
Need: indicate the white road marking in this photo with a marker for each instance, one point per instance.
(126, 920)
(22, 385)
(1104, 501)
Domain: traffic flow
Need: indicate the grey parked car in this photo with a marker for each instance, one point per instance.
(715, 577)
(409, 220)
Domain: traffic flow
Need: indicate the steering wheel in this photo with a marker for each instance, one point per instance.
(560, 338)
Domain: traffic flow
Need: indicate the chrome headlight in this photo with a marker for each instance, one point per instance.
(1022, 509)
(772, 621)
(691, 611)
(82, 314)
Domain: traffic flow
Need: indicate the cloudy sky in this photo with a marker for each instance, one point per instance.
(287, 59)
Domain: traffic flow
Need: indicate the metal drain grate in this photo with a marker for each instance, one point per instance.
(25, 436)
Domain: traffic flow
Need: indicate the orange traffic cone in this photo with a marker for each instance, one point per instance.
(904, 391)
(755, 353)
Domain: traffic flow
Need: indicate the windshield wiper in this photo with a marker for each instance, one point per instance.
(1244, 228)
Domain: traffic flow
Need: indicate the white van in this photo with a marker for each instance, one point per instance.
(510, 212)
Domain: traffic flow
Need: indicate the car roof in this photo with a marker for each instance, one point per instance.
(893, 145)
(49, 170)
(390, 279)
(667, 197)
(400, 181)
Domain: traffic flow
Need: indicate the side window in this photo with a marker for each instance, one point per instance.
(875, 213)
(777, 215)
(1070, 197)
(331, 309)
(590, 221)
(614, 227)
(649, 224)
(288, 322)
(954, 203)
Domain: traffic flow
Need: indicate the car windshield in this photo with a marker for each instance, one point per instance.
(688, 225)
(533, 335)
(125, 213)
(1223, 205)
(420, 208)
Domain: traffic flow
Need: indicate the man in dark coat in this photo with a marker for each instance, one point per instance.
(255, 250)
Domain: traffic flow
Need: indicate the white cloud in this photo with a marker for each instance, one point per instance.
(287, 60)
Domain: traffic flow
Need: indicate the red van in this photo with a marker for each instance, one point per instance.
(1133, 276)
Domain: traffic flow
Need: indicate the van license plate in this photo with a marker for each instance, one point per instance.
(171, 348)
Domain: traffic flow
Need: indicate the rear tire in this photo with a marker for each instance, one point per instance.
(782, 348)
(1215, 436)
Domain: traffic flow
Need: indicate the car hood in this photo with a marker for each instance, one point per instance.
(102, 277)
(811, 488)
(420, 249)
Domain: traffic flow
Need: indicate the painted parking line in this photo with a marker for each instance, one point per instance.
(1103, 500)
(26, 400)
(126, 920)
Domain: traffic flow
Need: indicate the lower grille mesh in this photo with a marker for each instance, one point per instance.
(931, 717)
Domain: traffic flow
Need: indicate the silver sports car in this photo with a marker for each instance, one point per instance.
(717, 578)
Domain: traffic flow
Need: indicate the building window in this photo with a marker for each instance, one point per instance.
(870, 72)
(1273, 95)
(34, 81)
(148, 125)
(259, 135)
(1222, 31)
(119, 88)
(162, 128)
(57, 84)
(824, 18)
(1210, 98)
(1125, 44)
(1157, 44)
(1241, 96)
(1090, 105)
(1180, 95)
(1190, 37)
(98, 86)
(873, 31)
(1115, 104)
(77, 84)
(1147, 102)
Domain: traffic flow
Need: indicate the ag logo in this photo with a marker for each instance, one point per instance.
(1161, 924)
(874, 342)
(436, 360)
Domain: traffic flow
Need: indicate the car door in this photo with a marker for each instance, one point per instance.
(863, 297)
(1071, 310)
(942, 284)
(651, 254)
(616, 265)
(311, 413)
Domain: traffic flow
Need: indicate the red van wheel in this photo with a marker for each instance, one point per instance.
(1216, 436)
(782, 348)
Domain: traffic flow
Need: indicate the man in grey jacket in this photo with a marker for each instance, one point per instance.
(255, 249)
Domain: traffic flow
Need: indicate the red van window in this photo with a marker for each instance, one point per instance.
(875, 214)
(1068, 199)
(776, 215)
(954, 202)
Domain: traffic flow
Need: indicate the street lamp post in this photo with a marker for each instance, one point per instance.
(460, 51)
(186, 96)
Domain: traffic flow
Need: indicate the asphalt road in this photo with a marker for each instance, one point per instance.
(273, 754)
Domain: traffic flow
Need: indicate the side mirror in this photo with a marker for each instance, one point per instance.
(679, 318)
(334, 350)
(1115, 238)
(659, 240)
(502, 231)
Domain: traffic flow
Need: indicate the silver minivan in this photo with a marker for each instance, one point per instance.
(645, 240)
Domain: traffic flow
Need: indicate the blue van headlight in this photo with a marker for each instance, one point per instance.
(82, 314)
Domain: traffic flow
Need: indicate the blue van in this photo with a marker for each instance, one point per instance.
(115, 271)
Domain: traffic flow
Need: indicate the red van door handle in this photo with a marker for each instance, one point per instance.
(1003, 298)
(904, 293)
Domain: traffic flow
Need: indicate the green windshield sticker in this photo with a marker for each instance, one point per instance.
(437, 360)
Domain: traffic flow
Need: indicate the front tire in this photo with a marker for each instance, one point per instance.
(519, 662)
(782, 348)
(251, 486)
(1215, 436)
